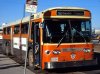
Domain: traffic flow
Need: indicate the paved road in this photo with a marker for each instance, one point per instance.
(8, 66)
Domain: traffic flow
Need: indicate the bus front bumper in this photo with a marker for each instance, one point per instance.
(53, 65)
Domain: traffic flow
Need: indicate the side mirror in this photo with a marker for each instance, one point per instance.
(41, 25)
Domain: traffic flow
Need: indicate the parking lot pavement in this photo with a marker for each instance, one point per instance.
(9, 66)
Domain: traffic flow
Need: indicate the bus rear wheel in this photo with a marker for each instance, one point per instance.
(30, 58)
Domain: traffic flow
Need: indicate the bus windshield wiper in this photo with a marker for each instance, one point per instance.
(62, 38)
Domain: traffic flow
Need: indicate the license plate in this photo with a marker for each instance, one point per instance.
(54, 59)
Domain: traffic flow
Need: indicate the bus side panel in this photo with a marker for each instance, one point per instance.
(20, 47)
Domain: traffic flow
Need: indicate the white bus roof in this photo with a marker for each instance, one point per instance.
(26, 19)
(77, 8)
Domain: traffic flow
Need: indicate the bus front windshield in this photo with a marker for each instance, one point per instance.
(66, 31)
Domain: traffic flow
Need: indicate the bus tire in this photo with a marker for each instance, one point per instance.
(30, 58)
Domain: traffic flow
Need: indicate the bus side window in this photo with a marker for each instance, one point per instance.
(16, 29)
(4, 32)
(24, 28)
(8, 30)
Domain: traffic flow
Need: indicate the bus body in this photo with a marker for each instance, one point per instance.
(59, 37)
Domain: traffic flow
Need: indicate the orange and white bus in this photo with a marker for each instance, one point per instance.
(58, 37)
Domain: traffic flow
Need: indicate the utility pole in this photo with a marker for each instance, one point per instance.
(30, 7)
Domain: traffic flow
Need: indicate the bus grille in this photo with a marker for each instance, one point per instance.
(72, 49)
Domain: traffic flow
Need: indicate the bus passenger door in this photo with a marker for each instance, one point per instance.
(36, 44)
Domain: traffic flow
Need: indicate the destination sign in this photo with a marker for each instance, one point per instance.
(31, 6)
(78, 13)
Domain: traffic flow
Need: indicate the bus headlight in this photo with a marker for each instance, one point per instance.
(47, 52)
(87, 50)
(56, 52)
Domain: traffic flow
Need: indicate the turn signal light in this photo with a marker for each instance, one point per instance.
(87, 50)
(56, 52)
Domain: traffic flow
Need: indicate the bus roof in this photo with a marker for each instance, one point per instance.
(77, 8)
(26, 19)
